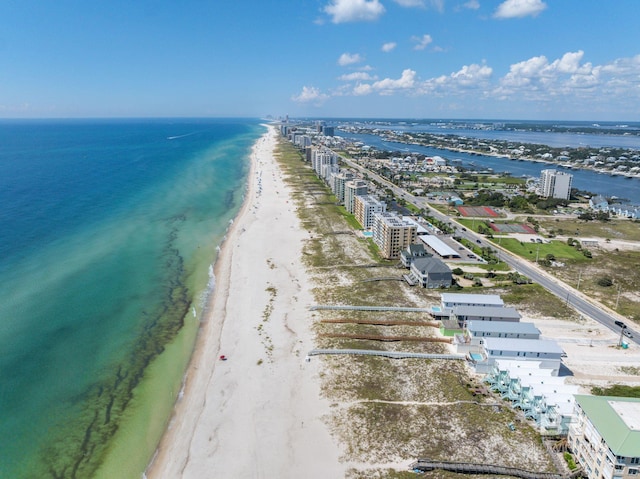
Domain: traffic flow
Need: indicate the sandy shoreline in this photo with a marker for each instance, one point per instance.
(258, 414)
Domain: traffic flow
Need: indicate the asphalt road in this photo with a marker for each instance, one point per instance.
(563, 291)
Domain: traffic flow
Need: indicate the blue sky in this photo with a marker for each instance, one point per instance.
(509, 59)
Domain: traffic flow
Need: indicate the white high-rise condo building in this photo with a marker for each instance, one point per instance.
(555, 184)
(365, 207)
(352, 189)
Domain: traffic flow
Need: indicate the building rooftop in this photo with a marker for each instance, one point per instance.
(502, 327)
(462, 298)
(439, 246)
(617, 419)
(524, 345)
(431, 265)
(393, 220)
(487, 311)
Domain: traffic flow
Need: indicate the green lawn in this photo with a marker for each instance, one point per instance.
(559, 249)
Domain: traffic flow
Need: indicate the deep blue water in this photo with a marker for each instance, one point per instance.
(108, 229)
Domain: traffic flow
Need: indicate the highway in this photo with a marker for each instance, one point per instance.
(571, 296)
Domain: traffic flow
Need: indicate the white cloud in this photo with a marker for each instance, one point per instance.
(356, 76)
(471, 75)
(472, 5)
(310, 94)
(422, 42)
(519, 8)
(435, 4)
(362, 89)
(349, 59)
(387, 47)
(567, 83)
(343, 11)
(388, 85)
(410, 3)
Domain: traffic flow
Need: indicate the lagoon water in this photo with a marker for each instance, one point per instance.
(587, 180)
(108, 230)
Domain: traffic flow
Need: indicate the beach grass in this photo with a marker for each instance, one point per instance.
(388, 410)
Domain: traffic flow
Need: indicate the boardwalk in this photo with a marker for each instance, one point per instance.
(470, 468)
(387, 354)
(402, 309)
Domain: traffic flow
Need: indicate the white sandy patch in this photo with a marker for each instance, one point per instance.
(258, 414)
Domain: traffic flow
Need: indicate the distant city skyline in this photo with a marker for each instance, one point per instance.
(499, 59)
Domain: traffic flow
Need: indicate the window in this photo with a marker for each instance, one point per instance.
(633, 472)
(635, 460)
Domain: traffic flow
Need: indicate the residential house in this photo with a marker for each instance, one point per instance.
(431, 273)
(411, 252)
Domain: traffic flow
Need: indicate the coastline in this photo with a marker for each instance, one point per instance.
(264, 402)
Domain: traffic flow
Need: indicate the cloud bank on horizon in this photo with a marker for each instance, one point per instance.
(559, 84)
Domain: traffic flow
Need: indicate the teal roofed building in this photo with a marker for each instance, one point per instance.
(605, 436)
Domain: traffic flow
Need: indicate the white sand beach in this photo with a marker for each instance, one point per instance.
(259, 413)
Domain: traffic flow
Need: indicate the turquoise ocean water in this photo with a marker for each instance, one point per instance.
(108, 229)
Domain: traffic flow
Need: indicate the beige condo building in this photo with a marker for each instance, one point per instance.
(392, 234)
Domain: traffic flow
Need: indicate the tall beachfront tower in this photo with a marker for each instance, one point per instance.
(322, 160)
(365, 207)
(392, 234)
(352, 189)
(555, 184)
(338, 184)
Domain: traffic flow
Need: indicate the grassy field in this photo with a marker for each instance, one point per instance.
(532, 251)
(616, 229)
(387, 410)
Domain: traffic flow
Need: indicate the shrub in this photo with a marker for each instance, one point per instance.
(604, 281)
(570, 461)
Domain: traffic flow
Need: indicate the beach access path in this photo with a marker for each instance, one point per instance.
(257, 414)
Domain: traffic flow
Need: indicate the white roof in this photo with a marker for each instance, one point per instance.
(523, 345)
(543, 382)
(514, 365)
(438, 246)
(502, 327)
(462, 298)
(629, 412)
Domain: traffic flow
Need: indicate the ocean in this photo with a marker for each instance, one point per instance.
(108, 233)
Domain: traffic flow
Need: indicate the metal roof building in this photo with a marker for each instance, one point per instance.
(485, 313)
(449, 300)
(439, 246)
(505, 329)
